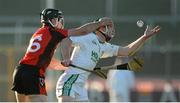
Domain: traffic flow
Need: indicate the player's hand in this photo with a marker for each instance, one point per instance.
(66, 63)
(150, 32)
(105, 21)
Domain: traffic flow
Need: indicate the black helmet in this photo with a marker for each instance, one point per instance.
(49, 13)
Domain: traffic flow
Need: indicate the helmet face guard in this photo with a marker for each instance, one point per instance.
(108, 33)
(61, 20)
(48, 14)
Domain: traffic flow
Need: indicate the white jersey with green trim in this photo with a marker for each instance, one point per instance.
(88, 51)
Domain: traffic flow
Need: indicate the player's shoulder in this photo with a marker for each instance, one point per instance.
(90, 35)
(109, 45)
(85, 36)
(106, 44)
(42, 30)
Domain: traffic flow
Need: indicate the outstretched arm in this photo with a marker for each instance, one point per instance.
(132, 47)
(66, 46)
(90, 27)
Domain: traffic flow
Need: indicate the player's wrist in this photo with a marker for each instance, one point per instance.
(145, 37)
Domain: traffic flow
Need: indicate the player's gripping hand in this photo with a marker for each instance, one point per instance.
(66, 63)
(149, 32)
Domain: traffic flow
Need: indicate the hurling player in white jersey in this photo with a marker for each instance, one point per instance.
(88, 50)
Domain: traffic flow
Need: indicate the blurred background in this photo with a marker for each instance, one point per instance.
(160, 79)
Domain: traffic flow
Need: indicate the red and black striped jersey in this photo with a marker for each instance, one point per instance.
(42, 46)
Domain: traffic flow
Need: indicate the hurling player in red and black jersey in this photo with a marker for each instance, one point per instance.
(29, 75)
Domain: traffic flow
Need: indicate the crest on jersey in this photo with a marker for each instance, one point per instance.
(42, 81)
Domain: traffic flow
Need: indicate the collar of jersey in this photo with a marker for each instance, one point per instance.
(98, 39)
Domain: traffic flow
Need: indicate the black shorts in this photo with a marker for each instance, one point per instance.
(26, 80)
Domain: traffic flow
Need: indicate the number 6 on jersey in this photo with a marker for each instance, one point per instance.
(34, 44)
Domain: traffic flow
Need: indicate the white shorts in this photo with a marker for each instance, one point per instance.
(71, 85)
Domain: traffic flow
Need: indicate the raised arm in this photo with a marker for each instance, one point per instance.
(90, 27)
(132, 47)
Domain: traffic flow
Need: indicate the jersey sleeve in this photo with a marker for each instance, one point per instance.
(64, 32)
(74, 39)
(109, 50)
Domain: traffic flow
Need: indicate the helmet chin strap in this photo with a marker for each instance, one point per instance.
(51, 23)
(106, 30)
(105, 34)
(59, 20)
